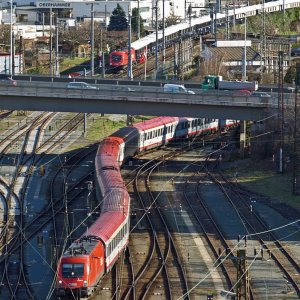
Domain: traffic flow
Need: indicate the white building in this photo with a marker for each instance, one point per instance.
(35, 13)
(81, 8)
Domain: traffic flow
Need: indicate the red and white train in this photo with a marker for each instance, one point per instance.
(118, 59)
(91, 256)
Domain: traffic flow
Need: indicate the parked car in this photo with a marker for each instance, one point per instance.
(6, 79)
(81, 86)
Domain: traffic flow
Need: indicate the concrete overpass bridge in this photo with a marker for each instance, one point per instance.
(152, 101)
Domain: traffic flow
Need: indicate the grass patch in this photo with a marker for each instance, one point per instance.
(102, 127)
(263, 178)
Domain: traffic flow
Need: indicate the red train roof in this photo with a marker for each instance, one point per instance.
(117, 199)
(156, 122)
(106, 225)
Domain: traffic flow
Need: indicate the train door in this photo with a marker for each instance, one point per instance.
(121, 153)
(164, 135)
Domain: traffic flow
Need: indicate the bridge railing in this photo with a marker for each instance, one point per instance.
(137, 93)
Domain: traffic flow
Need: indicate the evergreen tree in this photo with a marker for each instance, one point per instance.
(118, 21)
(134, 22)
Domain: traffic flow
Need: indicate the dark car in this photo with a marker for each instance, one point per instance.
(261, 94)
(295, 52)
(6, 79)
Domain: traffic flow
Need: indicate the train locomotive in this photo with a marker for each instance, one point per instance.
(93, 255)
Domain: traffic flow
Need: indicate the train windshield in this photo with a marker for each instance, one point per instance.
(72, 270)
(116, 57)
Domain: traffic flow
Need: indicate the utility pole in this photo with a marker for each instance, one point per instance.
(164, 41)
(102, 54)
(11, 38)
(138, 22)
(227, 34)
(51, 65)
(92, 40)
(56, 48)
(296, 156)
(263, 41)
(212, 18)
(129, 73)
(245, 52)
(281, 110)
(156, 37)
(13, 54)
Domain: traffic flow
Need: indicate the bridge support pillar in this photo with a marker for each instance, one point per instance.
(243, 137)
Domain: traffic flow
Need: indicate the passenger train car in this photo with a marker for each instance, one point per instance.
(200, 25)
(92, 255)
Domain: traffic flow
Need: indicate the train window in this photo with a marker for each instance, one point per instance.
(116, 57)
(193, 123)
(72, 270)
(189, 124)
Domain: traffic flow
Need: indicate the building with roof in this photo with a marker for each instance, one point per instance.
(227, 57)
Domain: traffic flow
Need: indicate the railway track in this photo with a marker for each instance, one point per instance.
(268, 241)
(14, 282)
(152, 267)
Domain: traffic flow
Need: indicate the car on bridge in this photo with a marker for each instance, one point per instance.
(81, 86)
(261, 94)
(295, 52)
(243, 93)
(6, 80)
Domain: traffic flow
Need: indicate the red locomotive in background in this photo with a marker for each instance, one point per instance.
(91, 256)
(119, 59)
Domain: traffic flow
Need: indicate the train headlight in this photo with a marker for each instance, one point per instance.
(60, 282)
(84, 283)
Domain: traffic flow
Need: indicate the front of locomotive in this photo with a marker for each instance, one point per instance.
(72, 277)
(117, 59)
